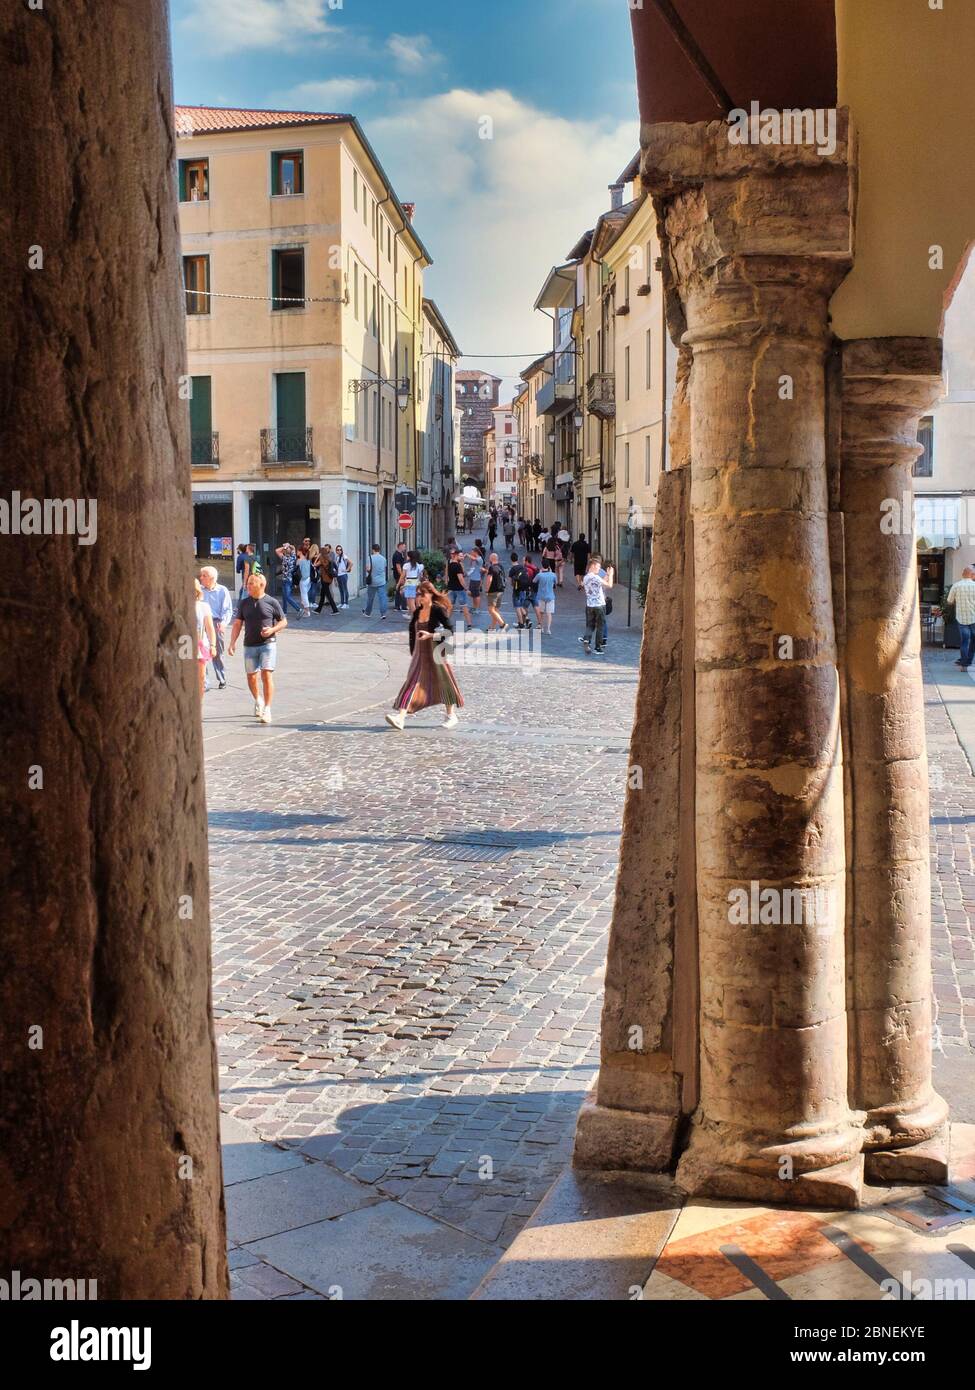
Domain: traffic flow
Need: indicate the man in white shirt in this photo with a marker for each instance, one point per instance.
(596, 588)
(221, 605)
(962, 595)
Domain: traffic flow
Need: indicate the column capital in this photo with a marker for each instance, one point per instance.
(719, 200)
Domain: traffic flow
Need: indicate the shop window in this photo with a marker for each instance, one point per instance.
(196, 282)
(287, 173)
(194, 180)
(288, 278)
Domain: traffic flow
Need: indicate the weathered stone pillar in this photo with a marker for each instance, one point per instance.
(888, 384)
(632, 1120)
(109, 1155)
(758, 239)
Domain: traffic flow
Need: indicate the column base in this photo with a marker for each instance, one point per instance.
(839, 1187)
(927, 1162)
(906, 1125)
(623, 1140)
(821, 1170)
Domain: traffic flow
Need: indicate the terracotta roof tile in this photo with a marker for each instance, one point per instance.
(216, 120)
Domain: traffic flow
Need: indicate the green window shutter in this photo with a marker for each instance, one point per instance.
(275, 173)
(201, 406)
(290, 387)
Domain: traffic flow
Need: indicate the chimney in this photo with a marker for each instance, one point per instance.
(616, 196)
(409, 209)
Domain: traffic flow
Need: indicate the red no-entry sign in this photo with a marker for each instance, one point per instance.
(405, 521)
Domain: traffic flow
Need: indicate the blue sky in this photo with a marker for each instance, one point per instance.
(555, 76)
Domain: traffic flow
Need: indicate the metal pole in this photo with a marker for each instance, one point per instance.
(629, 587)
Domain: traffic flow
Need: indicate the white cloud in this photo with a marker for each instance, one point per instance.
(412, 52)
(332, 94)
(231, 26)
(497, 214)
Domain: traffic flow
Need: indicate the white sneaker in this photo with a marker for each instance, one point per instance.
(397, 720)
(266, 716)
(450, 722)
(258, 709)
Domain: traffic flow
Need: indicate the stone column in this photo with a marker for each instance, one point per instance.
(888, 384)
(109, 1153)
(758, 238)
(632, 1120)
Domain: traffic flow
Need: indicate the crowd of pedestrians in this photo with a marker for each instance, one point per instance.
(529, 569)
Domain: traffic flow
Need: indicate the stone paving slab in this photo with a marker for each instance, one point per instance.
(283, 1201)
(245, 1157)
(381, 1253)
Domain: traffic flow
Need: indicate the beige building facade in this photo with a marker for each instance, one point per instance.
(304, 298)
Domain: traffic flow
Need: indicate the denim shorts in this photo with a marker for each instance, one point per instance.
(263, 658)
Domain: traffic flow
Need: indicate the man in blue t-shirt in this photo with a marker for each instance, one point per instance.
(377, 577)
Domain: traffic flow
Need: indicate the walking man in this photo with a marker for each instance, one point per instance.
(596, 589)
(494, 577)
(399, 560)
(962, 595)
(521, 586)
(457, 584)
(261, 618)
(376, 578)
(243, 568)
(580, 558)
(221, 606)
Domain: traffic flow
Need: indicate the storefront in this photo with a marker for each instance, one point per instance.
(564, 499)
(213, 530)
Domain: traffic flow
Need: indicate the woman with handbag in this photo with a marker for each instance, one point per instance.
(343, 568)
(429, 681)
(326, 573)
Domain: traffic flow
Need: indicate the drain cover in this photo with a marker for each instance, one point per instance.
(468, 854)
(473, 846)
(936, 1210)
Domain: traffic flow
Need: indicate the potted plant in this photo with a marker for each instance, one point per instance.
(952, 637)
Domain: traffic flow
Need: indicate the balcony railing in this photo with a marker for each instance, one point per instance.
(205, 450)
(287, 446)
(555, 397)
(601, 395)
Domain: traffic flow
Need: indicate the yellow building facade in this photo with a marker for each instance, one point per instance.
(304, 297)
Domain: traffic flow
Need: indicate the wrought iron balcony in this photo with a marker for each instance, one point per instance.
(287, 446)
(205, 450)
(601, 395)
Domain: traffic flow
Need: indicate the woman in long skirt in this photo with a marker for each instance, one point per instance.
(429, 681)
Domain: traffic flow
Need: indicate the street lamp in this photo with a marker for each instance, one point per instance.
(578, 419)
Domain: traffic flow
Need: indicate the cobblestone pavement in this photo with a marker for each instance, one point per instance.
(409, 933)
